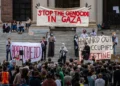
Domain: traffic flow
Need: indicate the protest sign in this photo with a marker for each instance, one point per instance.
(31, 51)
(65, 18)
(101, 47)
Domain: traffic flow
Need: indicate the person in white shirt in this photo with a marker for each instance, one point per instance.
(63, 53)
(84, 34)
(93, 33)
(21, 27)
(100, 81)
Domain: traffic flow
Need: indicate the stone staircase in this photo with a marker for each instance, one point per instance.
(61, 37)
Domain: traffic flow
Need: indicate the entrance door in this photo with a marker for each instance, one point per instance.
(22, 9)
(111, 16)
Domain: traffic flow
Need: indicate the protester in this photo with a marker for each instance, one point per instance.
(44, 48)
(35, 80)
(6, 28)
(5, 76)
(51, 45)
(76, 48)
(100, 81)
(93, 33)
(20, 27)
(86, 52)
(17, 78)
(14, 26)
(57, 80)
(49, 81)
(8, 48)
(28, 23)
(63, 53)
(84, 34)
(115, 42)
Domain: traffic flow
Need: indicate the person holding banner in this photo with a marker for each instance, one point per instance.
(8, 49)
(93, 33)
(84, 34)
(51, 45)
(115, 42)
(76, 45)
(86, 52)
(44, 47)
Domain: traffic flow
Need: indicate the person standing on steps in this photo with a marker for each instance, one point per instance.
(84, 34)
(44, 47)
(51, 46)
(63, 53)
(8, 49)
(115, 42)
(76, 48)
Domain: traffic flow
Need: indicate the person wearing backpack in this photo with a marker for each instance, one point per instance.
(5, 77)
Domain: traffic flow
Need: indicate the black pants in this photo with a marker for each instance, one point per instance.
(76, 53)
(43, 54)
(63, 59)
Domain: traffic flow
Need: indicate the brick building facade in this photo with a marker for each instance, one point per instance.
(21, 9)
(6, 10)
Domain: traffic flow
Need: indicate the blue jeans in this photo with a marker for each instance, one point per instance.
(114, 49)
(14, 27)
(21, 29)
(7, 55)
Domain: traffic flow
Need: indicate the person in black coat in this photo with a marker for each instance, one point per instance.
(117, 77)
(86, 52)
(76, 45)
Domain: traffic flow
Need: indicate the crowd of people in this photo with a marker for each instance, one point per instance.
(15, 26)
(72, 73)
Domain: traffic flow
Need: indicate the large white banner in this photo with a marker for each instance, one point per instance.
(31, 51)
(101, 47)
(62, 18)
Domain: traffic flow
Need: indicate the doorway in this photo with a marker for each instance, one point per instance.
(22, 9)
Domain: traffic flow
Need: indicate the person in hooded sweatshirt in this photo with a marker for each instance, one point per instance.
(100, 81)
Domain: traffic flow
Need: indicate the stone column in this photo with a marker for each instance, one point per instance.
(51, 3)
(34, 13)
(99, 11)
(93, 13)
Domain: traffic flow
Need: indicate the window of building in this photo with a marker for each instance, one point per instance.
(67, 3)
(110, 16)
(22, 9)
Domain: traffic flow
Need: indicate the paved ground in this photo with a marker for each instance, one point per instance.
(61, 36)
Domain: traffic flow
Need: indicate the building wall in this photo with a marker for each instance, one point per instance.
(6, 10)
(96, 12)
